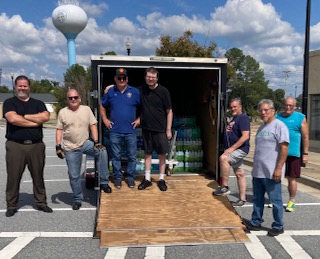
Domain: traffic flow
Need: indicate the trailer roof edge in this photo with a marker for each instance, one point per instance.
(159, 59)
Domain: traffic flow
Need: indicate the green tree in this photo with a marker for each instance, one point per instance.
(79, 78)
(110, 53)
(278, 98)
(184, 46)
(61, 96)
(4, 89)
(43, 86)
(246, 80)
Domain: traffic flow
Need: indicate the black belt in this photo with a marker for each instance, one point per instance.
(26, 142)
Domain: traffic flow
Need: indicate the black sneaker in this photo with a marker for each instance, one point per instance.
(117, 184)
(144, 184)
(45, 209)
(238, 203)
(275, 232)
(131, 183)
(222, 191)
(106, 188)
(11, 212)
(162, 185)
(76, 206)
(252, 227)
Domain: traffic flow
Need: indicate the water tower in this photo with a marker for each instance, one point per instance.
(70, 19)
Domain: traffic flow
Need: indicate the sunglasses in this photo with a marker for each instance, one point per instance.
(120, 78)
(73, 97)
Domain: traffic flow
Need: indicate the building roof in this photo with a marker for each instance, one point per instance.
(46, 98)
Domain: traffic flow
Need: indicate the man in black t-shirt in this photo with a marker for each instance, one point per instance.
(24, 146)
(156, 122)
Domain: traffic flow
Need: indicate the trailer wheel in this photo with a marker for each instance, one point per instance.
(90, 180)
(90, 183)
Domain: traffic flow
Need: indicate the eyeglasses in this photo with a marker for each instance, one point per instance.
(73, 97)
(120, 78)
(289, 105)
(151, 77)
(265, 110)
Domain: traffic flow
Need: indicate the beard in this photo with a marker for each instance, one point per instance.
(22, 95)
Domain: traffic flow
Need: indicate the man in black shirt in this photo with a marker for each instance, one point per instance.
(156, 122)
(24, 145)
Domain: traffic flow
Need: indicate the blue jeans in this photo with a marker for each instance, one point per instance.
(74, 162)
(273, 189)
(130, 142)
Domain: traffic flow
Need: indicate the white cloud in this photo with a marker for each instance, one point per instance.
(252, 26)
(250, 22)
(93, 10)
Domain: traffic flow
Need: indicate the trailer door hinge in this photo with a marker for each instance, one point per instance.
(94, 94)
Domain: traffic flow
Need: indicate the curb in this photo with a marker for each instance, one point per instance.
(306, 180)
(248, 162)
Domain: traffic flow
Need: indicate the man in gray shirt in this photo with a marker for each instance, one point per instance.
(271, 150)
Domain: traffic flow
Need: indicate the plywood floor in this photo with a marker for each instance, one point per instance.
(187, 213)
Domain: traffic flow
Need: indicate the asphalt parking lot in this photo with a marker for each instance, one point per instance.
(68, 234)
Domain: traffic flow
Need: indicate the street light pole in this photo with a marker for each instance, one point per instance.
(12, 76)
(128, 46)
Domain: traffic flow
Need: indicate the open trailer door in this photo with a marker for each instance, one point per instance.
(198, 89)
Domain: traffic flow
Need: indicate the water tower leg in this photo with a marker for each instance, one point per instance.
(71, 52)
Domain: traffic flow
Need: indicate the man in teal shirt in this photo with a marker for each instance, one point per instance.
(298, 128)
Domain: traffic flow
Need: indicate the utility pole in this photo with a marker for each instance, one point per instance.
(0, 75)
(285, 80)
(306, 62)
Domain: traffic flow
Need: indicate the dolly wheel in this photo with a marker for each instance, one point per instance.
(168, 171)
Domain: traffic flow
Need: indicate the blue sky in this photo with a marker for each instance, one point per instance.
(270, 31)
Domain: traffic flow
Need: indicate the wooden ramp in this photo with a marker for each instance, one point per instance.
(187, 213)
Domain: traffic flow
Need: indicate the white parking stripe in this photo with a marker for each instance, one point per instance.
(15, 247)
(55, 209)
(292, 247)
(52, 180)
(46, 234)
(256, 248)
(155, 252)
(116, 253)
(296, 204)
(290, 233)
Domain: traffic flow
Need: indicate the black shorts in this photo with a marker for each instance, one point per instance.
(293, 167)
(157, 141)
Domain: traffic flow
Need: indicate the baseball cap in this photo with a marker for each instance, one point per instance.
(121, 71)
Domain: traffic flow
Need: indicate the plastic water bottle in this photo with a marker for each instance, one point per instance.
(187, 166)
(187, 156)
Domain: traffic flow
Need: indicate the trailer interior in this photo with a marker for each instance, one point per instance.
(197, 89)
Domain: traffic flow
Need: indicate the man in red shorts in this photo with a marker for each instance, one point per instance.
(298, 128)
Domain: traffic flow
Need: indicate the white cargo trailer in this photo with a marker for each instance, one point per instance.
(198, 90)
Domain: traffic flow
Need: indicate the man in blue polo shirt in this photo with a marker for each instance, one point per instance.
(123, 100)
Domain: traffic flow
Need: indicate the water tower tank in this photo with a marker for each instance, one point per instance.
(70, 20)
